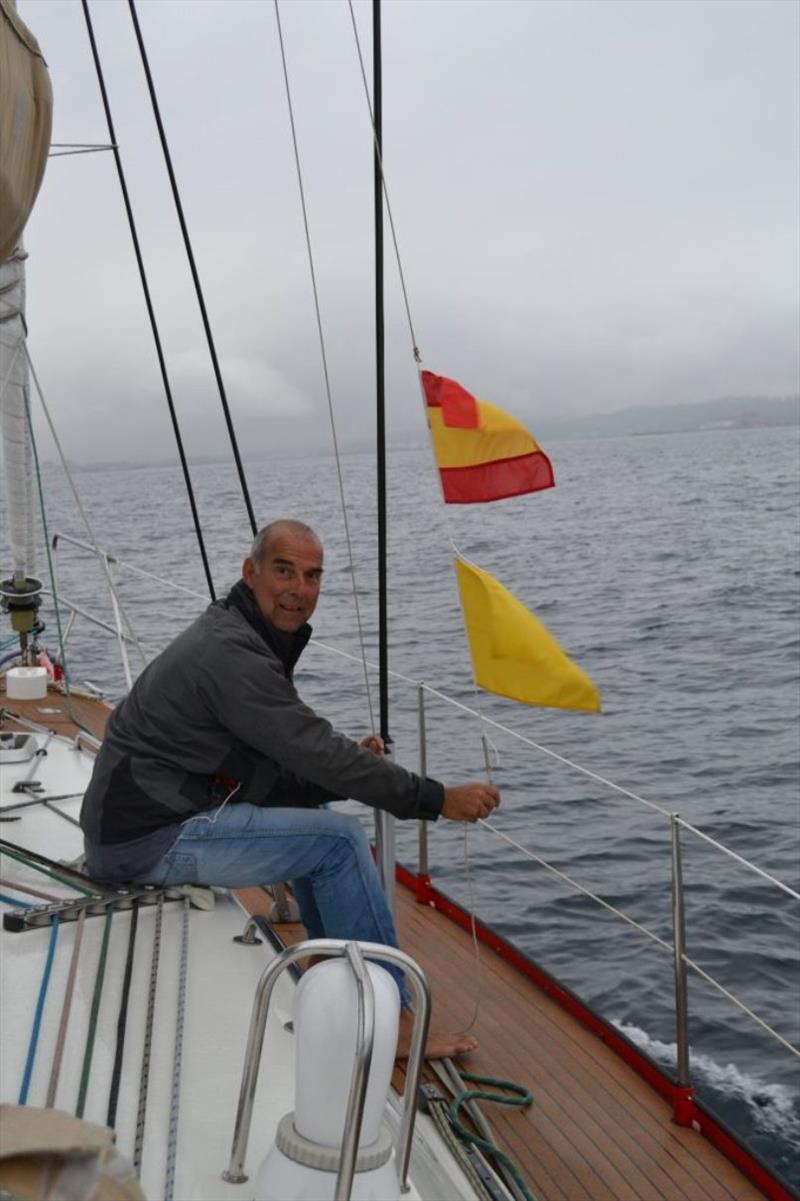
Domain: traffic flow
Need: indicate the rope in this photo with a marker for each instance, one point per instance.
(520, 1100)
(438, 1112)
(643, 930)
(95, 1010)
(174, 1112)
(43, 510)
(122, 1021)
(65, 1012)
(745, 862)
(31, 892)
(379, 158)
(192, 267)
(147, 299)
(14, 901)
(78, 501)
(325, 372)
(144, 1076)
(37, 1016)
(39, 867)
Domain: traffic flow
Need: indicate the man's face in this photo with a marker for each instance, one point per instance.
(287, 584)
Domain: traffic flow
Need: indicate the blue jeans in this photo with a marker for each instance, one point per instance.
(324, 854)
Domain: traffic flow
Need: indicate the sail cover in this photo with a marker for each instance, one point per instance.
(26, 107)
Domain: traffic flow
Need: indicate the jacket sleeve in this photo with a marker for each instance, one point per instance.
(245, 689)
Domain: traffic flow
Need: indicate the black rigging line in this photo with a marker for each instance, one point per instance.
(148, 302)
(122, 1021)
(377, 101)
(190, 256)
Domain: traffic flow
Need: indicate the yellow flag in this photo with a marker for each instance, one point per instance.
(512, 652)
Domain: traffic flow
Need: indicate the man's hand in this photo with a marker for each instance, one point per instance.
(374, 743)
(470, 802)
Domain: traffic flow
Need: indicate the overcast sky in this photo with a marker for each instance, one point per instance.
(597, 206)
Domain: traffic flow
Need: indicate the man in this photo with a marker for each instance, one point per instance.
(213, 770)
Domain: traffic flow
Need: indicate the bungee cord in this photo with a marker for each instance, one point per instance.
(325, 372)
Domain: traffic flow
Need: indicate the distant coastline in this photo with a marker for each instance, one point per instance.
(751, 412)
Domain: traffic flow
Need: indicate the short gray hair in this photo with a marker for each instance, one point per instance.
(282, 525)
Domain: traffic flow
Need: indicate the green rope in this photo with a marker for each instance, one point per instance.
(90, 1037)
(523, 1098)
(38, 867)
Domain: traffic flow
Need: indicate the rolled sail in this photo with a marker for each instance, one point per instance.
(25, 118)
(26, 109)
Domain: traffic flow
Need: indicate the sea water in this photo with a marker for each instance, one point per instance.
(668, 567)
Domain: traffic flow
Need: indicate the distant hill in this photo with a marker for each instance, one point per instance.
(741, 412)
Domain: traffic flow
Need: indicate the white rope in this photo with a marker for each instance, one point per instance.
(79, 503)
(563, 876)
(644, 930)
(505, 729)
(739, 859)
(379, 157)
(328, 394)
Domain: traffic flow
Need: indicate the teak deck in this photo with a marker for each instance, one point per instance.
(595, 1131)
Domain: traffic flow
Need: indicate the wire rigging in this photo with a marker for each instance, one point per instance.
(328, 394)
(193, 268)
(147, 298)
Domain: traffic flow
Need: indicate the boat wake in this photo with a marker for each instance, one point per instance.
(773, 1106)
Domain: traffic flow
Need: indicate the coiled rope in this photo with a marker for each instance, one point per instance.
(520, 1099)
(37, 1016)
(174, 1109)
(61, 1037)
(144, 1076)
(122, 1021)
(95, 1010)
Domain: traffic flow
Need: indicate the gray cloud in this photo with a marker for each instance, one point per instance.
(596, 202)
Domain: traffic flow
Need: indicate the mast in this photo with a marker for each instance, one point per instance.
(384, 822)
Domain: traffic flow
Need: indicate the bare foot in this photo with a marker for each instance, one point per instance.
(440, 1045)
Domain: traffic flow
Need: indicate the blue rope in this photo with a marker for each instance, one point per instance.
(13, 901)
(37, 1017)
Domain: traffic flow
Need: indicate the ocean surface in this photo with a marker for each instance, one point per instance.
(669, 568)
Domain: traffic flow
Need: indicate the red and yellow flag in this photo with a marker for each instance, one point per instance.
(482, 453)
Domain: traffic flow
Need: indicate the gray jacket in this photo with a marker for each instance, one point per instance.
(217, 708)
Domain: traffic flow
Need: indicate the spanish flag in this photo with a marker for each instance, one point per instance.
(482, 453)
(513, 654)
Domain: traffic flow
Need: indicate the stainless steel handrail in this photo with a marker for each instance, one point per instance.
(331, 947)
(679, 952)
(365, 1040)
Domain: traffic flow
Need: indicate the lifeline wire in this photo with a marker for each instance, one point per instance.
(37, 1017)
(325, 372)
(122, 1021)
(61, 1037)
(643, 930)
(175, 1101)
(95, 1010)
(144, 1077)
